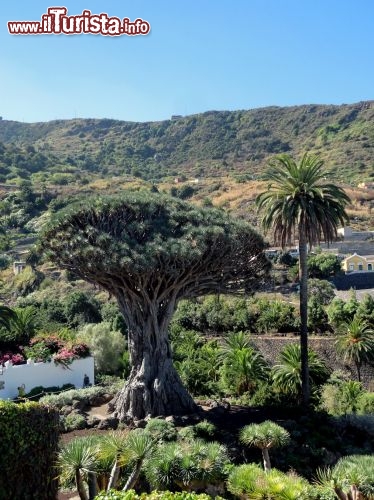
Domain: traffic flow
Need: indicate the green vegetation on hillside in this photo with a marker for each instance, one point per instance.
(214, 143)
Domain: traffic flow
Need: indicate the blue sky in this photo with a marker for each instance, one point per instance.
(200, 55)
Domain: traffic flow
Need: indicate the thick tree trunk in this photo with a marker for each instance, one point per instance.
(303, 274)
(153, 387)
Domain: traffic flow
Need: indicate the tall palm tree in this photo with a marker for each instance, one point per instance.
(301, 202)
(356, 343)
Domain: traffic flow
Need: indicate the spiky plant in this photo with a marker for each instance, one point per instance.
(266, 435)
(188, 465)
(250, 481)
(287, 374)
(243, 366)
(355, 343)
(6, 316)
(352, 478)
(75, 461)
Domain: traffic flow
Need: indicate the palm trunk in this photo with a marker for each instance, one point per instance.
(92, 485)
(266, 459)
(80, 486)
(114, 475)
(134, 476)
(154, 387)
(358, 368)
(303, 275)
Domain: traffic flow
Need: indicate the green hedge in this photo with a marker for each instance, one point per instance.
(154, 495)
(29, 441)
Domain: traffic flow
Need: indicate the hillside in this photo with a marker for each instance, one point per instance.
(211, 144)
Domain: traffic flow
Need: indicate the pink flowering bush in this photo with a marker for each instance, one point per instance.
(65, 356)
(51, 347)
(16, 359)
(50, 342)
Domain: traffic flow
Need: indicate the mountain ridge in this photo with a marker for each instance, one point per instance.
(213, 143)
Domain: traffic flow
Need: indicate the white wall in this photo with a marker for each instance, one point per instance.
(44, 374)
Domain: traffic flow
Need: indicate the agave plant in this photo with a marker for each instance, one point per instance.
(264, 436)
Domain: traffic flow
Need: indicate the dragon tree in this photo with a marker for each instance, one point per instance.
(150, 251)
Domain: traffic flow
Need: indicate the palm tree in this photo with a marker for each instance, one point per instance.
(266, 435)
(243, 366)
(299, 201)
(356, 343)
(287, 374)
(6, 316)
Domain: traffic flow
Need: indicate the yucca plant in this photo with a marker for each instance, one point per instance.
(188, 465)
(139, 446)
(264, 436)
(113, 448)
(75, 461)
(352, 478)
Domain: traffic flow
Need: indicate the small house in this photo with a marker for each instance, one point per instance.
(358, 263)
(18, 267)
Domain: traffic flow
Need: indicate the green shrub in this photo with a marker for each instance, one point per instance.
(73, 422)
(187, 433)
(188, 464)
(366, 403)
(29, 443)
(250, 481)
(154, 495)
(66, 398)
(341, 398)
(40, 390)
(107, 346)
(205, 430)
(80, 308)
(161, 430)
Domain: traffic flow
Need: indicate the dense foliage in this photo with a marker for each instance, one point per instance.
(29, 441)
